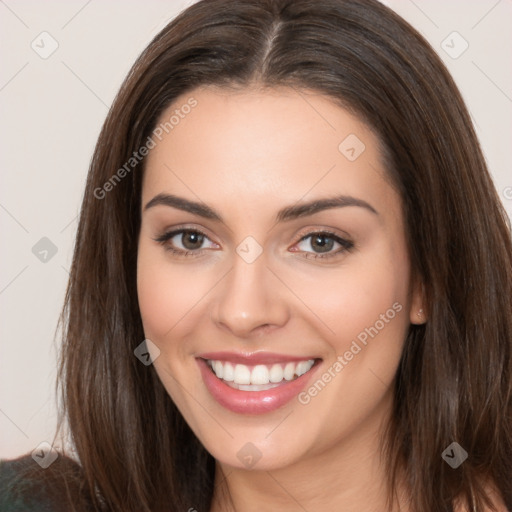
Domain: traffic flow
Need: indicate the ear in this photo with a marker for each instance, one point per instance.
(418, 312)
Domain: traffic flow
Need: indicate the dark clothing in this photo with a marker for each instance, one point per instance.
(27, 487)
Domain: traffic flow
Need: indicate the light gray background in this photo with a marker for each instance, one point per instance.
(52, 110)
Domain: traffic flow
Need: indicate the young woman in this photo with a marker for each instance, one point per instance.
(291, 287)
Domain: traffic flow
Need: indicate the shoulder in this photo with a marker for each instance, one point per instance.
(26, 487)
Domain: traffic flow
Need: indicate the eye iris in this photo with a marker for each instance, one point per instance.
(322, 243)
(192, 240)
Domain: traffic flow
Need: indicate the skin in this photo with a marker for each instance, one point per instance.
(248, 154)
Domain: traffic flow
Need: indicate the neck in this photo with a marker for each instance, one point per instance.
(352, 473)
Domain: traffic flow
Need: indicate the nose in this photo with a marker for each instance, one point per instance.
(249, 300)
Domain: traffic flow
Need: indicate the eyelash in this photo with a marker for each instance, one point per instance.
(165, 237)
(346, 245)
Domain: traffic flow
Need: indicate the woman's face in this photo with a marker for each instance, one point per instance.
(272, 251)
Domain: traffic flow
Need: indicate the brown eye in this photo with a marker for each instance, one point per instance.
(184, 241)
(191, 240)
(321, 243)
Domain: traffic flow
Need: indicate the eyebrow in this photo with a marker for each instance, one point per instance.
(304, 209)
(286, 214)
(186, 205)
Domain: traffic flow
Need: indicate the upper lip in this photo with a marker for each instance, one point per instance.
(253, 358)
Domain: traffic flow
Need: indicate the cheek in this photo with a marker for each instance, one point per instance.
(172, 298)
(365, 308)
(157, 301)
(157, 283)
(353, 298)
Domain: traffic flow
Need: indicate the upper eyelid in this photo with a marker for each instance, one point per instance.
(170, 232)
(335, 232)
(339, 239)
(345, 243)
(167, 235)
(305, 234)
(329, 234)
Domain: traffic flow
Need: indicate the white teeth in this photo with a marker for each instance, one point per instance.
(229, 372)
(218, 369)
(302, 368)
(276, 373)
(242, 374)
(263, 387)
(261, 376)
(289, 371)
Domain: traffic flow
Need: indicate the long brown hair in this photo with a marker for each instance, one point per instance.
(455, 377)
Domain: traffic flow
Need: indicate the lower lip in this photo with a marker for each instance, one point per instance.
(252, 402)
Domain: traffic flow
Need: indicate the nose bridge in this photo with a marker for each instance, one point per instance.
(248, 299)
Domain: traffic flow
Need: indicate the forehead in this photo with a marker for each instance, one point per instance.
(257, 146)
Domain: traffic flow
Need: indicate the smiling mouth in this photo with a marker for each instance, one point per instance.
(259, 377)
